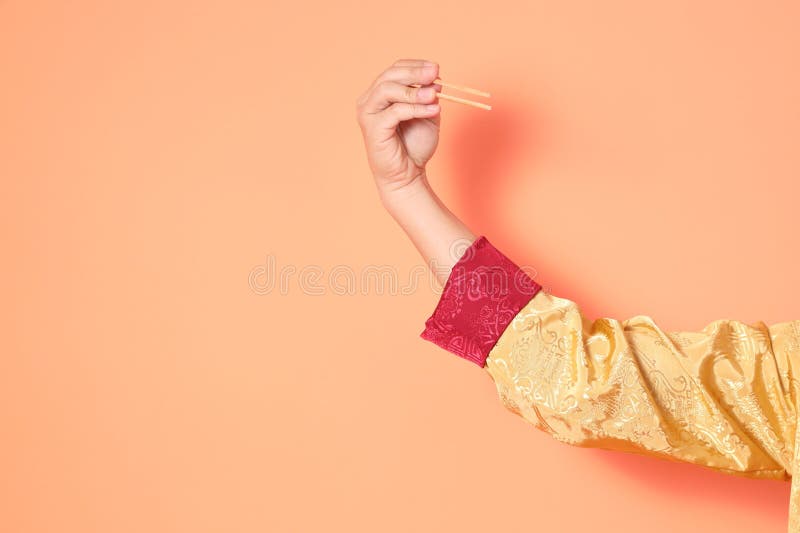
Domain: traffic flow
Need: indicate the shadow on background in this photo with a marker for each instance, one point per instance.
(693, 482)
(485, 154)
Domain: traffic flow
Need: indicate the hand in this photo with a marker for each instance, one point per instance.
(400, 123)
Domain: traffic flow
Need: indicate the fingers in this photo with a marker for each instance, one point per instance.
(407, 74)
(388, 92)
(383, 125)
(391, 99)
(396, 113)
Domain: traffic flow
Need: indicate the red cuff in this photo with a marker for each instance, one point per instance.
(482, 295)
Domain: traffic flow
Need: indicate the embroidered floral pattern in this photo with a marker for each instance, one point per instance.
(483, 293)
(718, 398)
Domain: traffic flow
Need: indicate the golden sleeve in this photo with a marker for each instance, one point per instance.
(723, 397)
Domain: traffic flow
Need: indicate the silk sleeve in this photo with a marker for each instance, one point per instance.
(722, 397)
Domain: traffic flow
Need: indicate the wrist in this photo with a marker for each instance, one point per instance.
(396, 199)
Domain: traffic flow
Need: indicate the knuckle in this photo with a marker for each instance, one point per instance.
(363, 99)
(382, 87)
(398, 111)
(386, 73)
(410, 93)
(361, 112)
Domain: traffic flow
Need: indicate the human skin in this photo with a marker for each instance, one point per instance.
(400, 127)
(722, 397)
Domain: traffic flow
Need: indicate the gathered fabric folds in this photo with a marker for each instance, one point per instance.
(724, 397)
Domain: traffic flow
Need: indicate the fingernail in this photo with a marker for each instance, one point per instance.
(426, 92)
(432, 107)
(430, 63)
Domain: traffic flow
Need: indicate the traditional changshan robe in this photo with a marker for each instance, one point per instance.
(724, 398)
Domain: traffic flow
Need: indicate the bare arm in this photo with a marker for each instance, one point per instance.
(722, 397)
(436, 232)
(400, 134)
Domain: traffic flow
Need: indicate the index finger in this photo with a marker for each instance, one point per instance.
(422, 73)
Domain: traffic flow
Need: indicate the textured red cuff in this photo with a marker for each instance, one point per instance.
(482, 295)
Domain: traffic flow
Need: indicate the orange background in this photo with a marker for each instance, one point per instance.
(642, 156)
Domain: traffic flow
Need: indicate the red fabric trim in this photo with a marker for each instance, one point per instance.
(482, 295)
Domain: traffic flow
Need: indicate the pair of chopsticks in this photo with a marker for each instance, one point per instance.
(459, 99)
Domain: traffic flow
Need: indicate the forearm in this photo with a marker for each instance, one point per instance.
(437, 233)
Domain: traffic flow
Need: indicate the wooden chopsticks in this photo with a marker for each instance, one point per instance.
(459, 99)
(462, 88)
